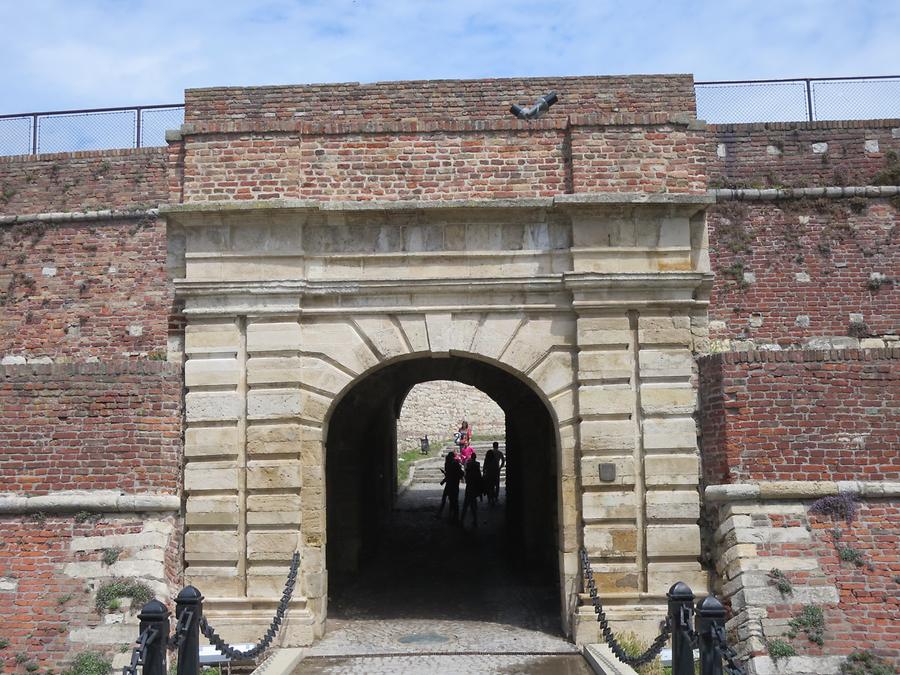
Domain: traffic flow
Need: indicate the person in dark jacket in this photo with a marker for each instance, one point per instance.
(474, 489)
(453, 473)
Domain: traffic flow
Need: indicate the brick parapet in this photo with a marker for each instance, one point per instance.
(442, 99)
(80, 181)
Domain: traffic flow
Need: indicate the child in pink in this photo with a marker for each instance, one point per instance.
(466, 453)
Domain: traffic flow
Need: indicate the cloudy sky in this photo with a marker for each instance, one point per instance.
(64, 54)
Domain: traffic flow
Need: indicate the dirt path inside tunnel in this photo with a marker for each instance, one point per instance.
(438, 589)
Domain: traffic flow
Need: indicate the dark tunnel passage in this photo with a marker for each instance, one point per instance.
(386, 558)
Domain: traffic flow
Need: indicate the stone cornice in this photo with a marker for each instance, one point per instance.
(185, 212)
(799, 489)
(103, 501)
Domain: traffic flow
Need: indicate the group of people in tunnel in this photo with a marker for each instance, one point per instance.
(461, 465)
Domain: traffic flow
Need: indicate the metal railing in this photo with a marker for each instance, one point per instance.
(807, 99)
(721, 102)
(89, 129)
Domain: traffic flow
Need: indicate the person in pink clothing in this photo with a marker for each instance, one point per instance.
(465, 454)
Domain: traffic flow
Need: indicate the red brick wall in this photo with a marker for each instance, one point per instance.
(208, 109)
(108, 295)
(638, 159)
(800, 415)
(781, 154)
(867, 614)
(837, 244)
(83, 181)
(90, 427)
(46, 604)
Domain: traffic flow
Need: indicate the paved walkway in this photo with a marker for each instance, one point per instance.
(439, 598)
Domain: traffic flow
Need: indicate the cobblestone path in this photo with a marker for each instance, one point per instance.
(439, 598)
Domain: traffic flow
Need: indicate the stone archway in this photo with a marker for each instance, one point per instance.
(595, 302)
(360, 460)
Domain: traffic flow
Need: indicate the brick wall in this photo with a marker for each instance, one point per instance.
(802, 154)
(52, 566)
(848, 570)
(794, 269)
(800, 415)
(437, 99)
(83, 181)
(111, 426)
(83, 290)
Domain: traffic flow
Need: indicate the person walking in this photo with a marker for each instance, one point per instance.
(501, 459)
(491, 474)
(474, 488)
(453, 473)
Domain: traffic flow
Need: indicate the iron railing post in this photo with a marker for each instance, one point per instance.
(189, 600)
(155, 616)
(681, 599)
(809, 107)
(710, 614)
(34, 134)
(137, 140)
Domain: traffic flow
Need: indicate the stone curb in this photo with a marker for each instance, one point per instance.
(108, 501)
(603, 662)
(282, 662)
(775, 490)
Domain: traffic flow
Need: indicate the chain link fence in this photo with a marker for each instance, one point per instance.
(98, 129)
(802, 100)
(732, 101)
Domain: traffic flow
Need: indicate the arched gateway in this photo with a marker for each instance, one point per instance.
(305, 324)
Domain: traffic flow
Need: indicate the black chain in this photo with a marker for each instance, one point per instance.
(181, 629)
(692, 635)
(725, 652)
(274, 627)
(608, 635)
(139, 653)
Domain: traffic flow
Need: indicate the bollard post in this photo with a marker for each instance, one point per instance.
(154, 615)
(710, 615)
(189, 600)
(681, 599)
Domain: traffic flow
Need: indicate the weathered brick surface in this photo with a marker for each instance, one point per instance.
(40, 605)
(812, 260)
(800, 415)
(83, 290)
(781, 154)
(90, 427)
(437, 99)
(867, 614)
(83, 181)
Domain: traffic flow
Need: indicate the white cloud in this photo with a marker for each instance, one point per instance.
(63, 54)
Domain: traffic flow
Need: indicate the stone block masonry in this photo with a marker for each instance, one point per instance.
(436, 408)
(800, 415)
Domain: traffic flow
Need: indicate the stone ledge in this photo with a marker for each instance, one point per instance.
(106, 501)
(775, 490)
(77, 216)
(831, 192)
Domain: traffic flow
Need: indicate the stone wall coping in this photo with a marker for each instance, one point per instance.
(107, 501)
(799, 489)
(118, 367)
(77, 216)
(789, 126)
(829, 192)
(802, 355)
(83, 154)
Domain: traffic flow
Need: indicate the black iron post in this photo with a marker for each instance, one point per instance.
(809, 105)
(681, 599)
(710, 615)
(154, 616)
(189, 600)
